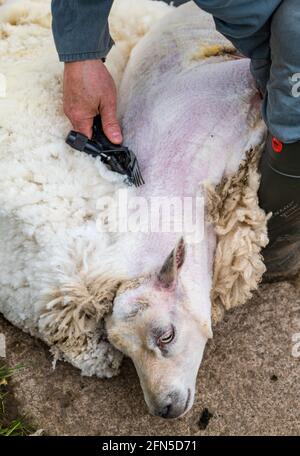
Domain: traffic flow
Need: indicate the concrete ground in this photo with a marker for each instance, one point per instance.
(248, 383)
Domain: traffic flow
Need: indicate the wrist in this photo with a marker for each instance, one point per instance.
(81, 57)
(81, 63)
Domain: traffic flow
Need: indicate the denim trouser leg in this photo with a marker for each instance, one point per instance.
(281, 108)
(268, 32)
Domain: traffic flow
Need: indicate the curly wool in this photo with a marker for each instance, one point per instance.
(26, 12)
(73, 312)
(241, 228)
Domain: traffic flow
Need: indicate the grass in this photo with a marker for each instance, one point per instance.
(16, 427)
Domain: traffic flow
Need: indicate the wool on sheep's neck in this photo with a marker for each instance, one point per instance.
(241, 229)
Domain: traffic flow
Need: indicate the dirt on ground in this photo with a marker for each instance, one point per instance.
(248, 383)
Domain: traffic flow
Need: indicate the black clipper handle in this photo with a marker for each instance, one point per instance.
(83, 143)
(117, 158)
(99, 135)
(95, 146)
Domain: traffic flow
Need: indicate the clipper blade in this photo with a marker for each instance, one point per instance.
(117, 158)
(134, 173)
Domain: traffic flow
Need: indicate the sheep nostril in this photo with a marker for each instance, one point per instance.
(164, 413)
(176, 405)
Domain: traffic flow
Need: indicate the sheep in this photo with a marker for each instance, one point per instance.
(164, 320)
(186, 101)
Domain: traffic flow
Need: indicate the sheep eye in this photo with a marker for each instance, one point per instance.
(167, 337)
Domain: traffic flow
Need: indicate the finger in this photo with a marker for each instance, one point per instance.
(110, 123)
(84, 127)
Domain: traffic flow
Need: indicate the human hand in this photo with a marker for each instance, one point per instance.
(89, 90)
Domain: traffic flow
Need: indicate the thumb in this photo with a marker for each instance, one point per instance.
(110, 123)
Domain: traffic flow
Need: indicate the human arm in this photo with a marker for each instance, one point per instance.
(81, 34)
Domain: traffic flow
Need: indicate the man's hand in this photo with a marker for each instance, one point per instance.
(89, 90)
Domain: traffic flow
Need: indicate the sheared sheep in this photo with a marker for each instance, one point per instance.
(188, 103)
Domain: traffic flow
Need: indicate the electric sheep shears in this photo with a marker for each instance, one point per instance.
(118, 159)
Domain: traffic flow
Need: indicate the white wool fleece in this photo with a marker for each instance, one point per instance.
(48, 192)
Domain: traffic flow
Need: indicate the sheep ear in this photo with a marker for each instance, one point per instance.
(168, 274)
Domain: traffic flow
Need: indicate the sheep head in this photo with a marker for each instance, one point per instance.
(152, 324)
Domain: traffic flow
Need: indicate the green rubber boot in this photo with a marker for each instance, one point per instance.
(279, 193)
